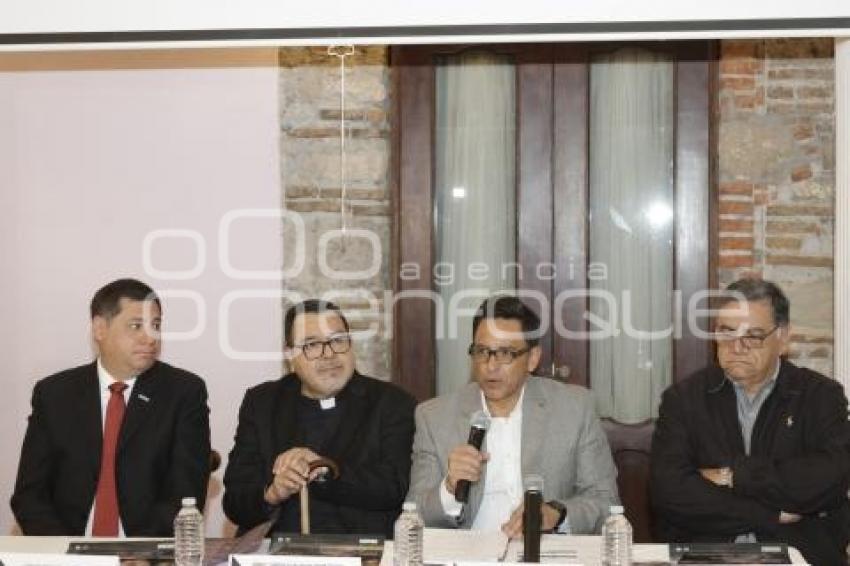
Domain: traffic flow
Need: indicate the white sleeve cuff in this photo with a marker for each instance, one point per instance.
(450, 506)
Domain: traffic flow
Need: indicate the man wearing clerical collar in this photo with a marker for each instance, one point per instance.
(538, 427)
(323, 409)
(755, 448)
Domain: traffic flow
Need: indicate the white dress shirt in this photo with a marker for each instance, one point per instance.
(503, 480)
(104, 381)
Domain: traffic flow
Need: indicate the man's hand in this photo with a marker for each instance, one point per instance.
(291, 472)
(788, 518)
(513, 528)
(465, 463)
(718, 476)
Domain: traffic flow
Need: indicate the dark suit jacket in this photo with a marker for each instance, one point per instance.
(371, 447)
(799, 462)
(163, 452)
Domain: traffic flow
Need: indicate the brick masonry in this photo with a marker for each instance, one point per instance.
(776, 177)
(776, 174)
(309, 93)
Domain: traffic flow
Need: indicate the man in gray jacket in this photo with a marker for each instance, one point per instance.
(538, 426)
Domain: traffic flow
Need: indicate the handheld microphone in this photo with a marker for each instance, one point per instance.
(478, 425)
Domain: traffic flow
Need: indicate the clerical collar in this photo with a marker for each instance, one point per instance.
(318, 404)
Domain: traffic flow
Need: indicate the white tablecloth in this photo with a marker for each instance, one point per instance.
(471, 546)
(478, 547)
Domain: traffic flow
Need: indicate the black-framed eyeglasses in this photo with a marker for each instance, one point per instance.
(504, 356)
(315, 349)
(727, 337)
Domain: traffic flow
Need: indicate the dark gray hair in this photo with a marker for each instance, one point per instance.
(753, 289)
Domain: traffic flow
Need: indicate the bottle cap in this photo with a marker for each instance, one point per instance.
(186, 501)
(408, 506)
(616, 509)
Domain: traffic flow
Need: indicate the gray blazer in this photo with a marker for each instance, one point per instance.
(562, 440)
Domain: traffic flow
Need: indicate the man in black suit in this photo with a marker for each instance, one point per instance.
(112, 446)
(324, 408)
(756, 448)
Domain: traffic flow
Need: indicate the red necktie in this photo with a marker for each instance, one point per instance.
(105, 522)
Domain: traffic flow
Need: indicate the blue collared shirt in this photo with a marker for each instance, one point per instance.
(748, 412)
(749, 407)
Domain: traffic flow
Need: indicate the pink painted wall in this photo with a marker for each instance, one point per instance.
(92, 159)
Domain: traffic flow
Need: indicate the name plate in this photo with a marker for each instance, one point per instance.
(31, 559)
(291, 560)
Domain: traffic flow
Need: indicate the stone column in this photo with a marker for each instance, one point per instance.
(842, 212)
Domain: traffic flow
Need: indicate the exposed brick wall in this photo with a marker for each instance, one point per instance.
(310, 179)
(777, 177)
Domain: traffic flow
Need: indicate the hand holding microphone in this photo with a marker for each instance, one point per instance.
(465, 461)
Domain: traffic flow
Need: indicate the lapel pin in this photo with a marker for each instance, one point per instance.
(146, 399)
(789, 421)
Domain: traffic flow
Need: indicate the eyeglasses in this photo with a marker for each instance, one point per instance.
(315, 349)
(728, 336)
(503, 356)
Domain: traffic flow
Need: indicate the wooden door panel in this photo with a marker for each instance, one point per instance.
(413, 317)
(694, 264)
(534, 186)
(570, 184)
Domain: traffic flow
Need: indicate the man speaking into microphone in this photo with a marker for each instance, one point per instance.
(536, 426)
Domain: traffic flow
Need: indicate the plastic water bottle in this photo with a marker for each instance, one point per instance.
(616, 539)
(407, 536)
(189, 535)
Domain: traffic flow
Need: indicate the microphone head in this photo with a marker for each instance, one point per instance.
(480, 420)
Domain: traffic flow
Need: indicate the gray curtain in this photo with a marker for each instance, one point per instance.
(631, 228)
(475, 216)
